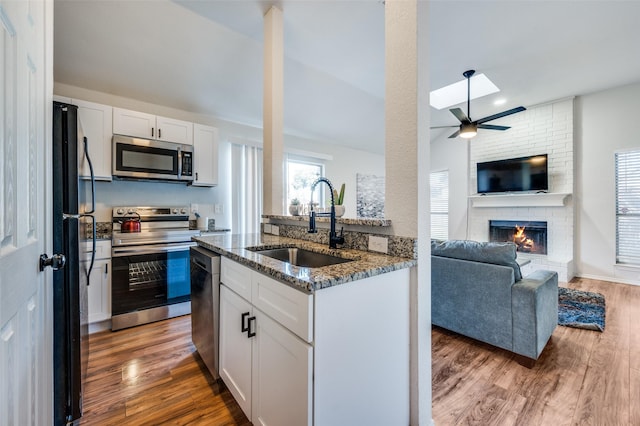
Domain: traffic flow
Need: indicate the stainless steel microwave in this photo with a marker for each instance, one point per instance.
(135, 158)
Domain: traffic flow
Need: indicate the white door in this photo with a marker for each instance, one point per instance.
(281, 375)
(26, 90)
(172, 130)
(235, 347)
(134, 123)
(95, 122)
(205, 155)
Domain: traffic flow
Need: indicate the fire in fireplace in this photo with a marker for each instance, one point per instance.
(529, 236)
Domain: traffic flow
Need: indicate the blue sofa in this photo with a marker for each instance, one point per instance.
(477, 290)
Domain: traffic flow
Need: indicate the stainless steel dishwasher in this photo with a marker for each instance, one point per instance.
(205, 306)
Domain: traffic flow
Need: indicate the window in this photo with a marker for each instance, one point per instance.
(246, 181)
(628, 207)
(440, 205)
(300, 175)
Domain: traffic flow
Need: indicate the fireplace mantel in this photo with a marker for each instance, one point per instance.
(547, 199)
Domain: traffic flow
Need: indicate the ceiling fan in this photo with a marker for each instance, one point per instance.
(467, 128)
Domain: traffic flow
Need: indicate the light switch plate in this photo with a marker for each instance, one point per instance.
(379, 244)
(275, 230)
(267, 228)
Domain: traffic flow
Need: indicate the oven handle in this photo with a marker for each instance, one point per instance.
(163, 248)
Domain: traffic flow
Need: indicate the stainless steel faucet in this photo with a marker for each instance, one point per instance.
(334, 239)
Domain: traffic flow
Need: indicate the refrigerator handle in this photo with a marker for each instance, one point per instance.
(93, 180)
(93, 250)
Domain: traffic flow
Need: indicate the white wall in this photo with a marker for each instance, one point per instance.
(603, 122)
(542, 129)
(453, 155)
(342, 167)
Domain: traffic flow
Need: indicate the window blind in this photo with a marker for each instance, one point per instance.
(628, 207)
(440, 205)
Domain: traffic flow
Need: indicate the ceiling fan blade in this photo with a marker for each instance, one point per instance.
(443, 127)
(460, 115)
(455, 135)
(492, 127)
(500, 115)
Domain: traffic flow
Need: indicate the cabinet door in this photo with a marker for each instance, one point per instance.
(95, 122)
(134, 123)
(172, 130)
(282, 375)
(100, 291)
(235, 347)
(205, 155)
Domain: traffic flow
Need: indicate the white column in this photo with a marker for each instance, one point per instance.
(407, 173)
(272, 113)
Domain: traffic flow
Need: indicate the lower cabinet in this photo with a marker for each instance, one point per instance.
(266, 367)
(336, 357)
(99, 291)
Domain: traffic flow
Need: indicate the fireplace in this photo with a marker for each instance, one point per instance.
(529, 236)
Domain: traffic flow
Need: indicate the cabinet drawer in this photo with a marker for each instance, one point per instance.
(236, 276)
(288, 306)
(103, 250)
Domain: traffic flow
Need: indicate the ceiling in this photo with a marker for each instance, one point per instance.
(206, 56)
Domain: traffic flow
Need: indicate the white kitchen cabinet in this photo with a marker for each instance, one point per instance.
(339, 356)
(94, 123)
(205, 155)
(235, 347)
(148, 126)
(267, 368)
(99, 291)
(172, 130)
(282, 375)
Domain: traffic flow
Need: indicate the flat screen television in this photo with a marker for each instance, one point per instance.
(513, 175)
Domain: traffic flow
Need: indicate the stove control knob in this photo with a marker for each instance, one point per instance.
(131, 211)
(175, 211)
(120, 211)
(183, 211)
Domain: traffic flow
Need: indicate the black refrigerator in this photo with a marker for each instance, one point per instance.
(72, 217)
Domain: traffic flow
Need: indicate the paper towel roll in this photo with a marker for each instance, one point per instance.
(203, 223)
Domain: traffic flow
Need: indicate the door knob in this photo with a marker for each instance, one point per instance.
(57, 261)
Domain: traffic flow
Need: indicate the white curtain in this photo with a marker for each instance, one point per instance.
(246, 181)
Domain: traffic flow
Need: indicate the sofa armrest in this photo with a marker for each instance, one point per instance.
(535, 312)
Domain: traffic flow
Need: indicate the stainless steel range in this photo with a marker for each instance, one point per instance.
(151, 266)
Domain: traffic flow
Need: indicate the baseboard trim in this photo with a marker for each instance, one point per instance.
(614, 280)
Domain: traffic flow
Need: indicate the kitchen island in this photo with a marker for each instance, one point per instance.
(315, 346)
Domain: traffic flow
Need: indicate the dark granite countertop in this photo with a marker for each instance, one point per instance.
(365, 264)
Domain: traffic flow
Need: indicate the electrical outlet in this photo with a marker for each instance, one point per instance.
(275, 230)
(267, 228)
(218, 208)
(379, 244)
(194, 208)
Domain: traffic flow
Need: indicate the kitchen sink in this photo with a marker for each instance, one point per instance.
(301, 257)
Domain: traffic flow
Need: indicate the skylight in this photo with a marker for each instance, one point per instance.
(456, 93)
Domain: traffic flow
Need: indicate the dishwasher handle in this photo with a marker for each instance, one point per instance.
(205, 259)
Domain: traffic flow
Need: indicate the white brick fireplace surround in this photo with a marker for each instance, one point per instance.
(545, 129)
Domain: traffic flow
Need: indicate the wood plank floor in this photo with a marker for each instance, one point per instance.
(152, 375)
(582, 377)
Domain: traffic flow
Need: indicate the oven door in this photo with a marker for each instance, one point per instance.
(145, 277)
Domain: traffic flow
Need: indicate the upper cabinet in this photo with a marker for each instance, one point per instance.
(205, 155)
(148, 126)
(94, 123)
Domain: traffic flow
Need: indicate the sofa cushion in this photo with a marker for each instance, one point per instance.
(496, 253)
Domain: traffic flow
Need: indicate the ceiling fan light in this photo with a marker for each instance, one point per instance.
(467, 131)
